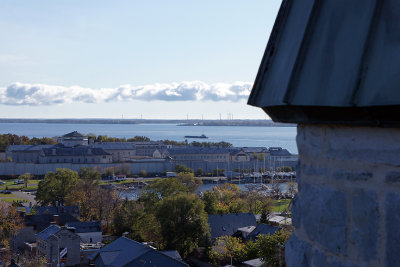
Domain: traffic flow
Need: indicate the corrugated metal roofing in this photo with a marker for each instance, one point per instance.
(49, 231)
(333, 53)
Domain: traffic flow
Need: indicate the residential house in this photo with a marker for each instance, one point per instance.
(36, 223)
(54, 239)
(262, 229)
(228, 224)
(89, 232)
(127, 252)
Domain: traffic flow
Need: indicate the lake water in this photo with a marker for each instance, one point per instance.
(134, 194)
(237, 135)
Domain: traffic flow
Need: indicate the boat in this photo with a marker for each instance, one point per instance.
(196, 136)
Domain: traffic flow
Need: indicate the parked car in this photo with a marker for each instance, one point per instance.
(5, 192)
(2, 182)
(16, 181)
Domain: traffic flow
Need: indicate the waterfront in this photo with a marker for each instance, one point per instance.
(236, 135)
(134, 193)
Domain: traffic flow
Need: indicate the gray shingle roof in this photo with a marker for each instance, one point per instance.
(227, 224)
(124, 251)
(49, 231)
(85, 227)
(262, 229)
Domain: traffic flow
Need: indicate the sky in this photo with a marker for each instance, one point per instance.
(133, 59)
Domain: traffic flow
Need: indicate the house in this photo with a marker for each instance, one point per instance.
(262, 229)
(36, 223)
(89, 232)
(127, 252)
(53, 240)
(228, 224)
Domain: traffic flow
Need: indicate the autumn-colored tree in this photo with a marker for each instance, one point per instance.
(84, 193)
(227, 249)
(10, 222)
(271, 248)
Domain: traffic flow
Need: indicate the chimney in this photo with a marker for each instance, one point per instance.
(56, 219)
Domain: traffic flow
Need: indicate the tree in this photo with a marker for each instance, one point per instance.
(139, 139)
(190, 181)
(271, 247)
(143, 173)
(160, 189)
(84, 192)
(210, 202)
(10, 221)
(182, 169)
(55, 186)
(26, 177)
(199, 172)
(183, 222)
(227, 248)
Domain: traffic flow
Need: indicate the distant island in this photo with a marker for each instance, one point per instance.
(267, 123)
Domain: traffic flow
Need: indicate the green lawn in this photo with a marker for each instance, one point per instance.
(281, 205)
(6, 195)
(32, 184)
(13, 199)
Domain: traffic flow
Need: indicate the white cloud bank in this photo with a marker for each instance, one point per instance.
(42, 94)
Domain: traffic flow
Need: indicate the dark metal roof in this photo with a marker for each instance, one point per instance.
(227, 224)
(262, 229)
(85, 227)
(127, 252)
(332, 61)
(49, 231)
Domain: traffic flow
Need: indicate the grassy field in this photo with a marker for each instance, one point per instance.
(281, 205)
(32, 184)
(13, 199)
(6, 195)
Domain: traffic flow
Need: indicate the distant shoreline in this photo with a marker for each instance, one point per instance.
(187, 123)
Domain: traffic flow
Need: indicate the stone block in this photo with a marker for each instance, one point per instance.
(310, 140)
(392, 206)
(366, 144)
(296, 212)
(352, 176)
(313, 170)
(365, 223)
(392, 178)
(319, 258)
(323, 216)
(297, 252)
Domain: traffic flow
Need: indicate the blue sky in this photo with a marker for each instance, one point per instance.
(156, 59)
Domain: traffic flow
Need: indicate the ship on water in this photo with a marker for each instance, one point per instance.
(196, 136)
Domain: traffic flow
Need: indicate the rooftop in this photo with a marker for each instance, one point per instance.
(228, 224)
